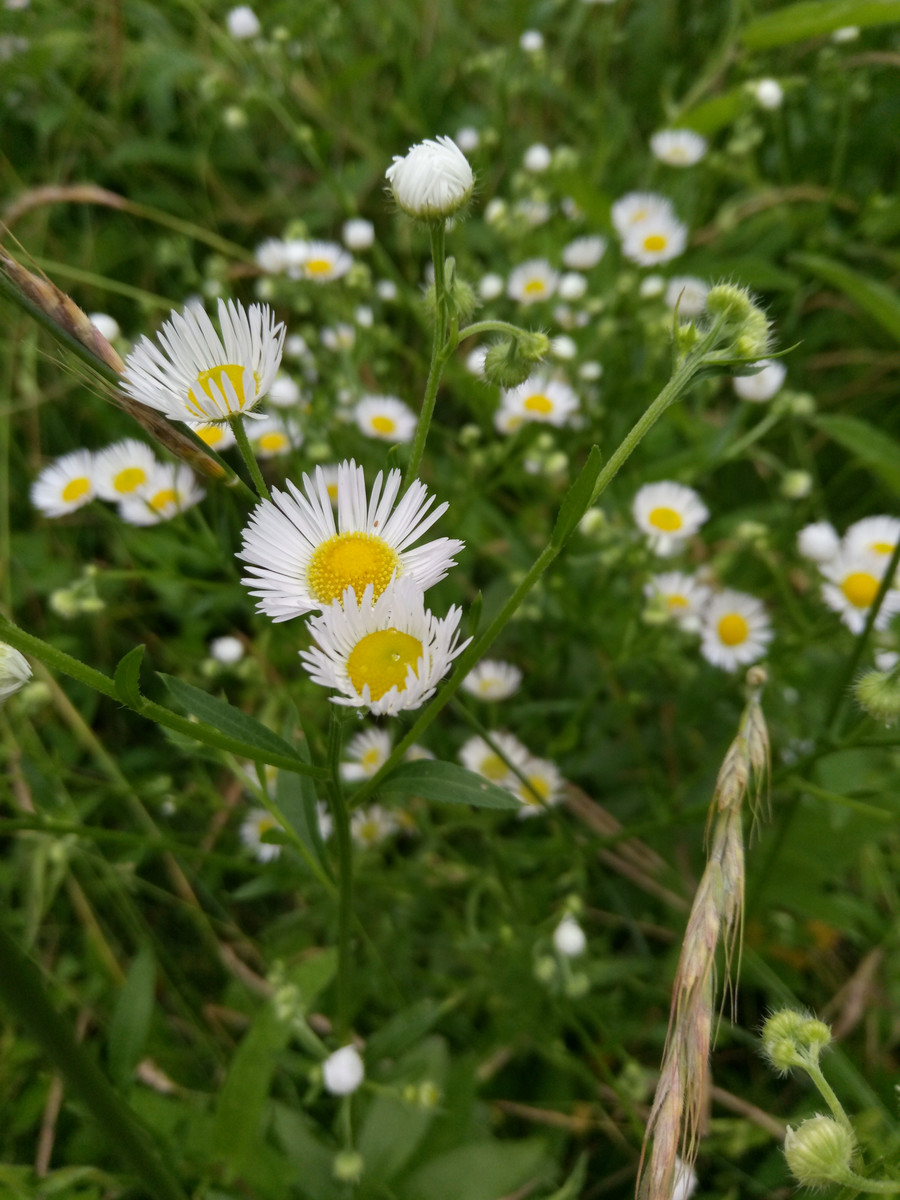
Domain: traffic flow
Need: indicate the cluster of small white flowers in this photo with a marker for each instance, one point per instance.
(852, 567)
(535, 782)
(649, 228)
(125, 473)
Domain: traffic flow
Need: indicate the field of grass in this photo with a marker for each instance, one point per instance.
(651, 384)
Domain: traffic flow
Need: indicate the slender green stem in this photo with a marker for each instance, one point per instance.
(480, 327)
(814, 1071)
(439, 353)
(684, 374)
(243, 444)
(22, 988)
(344, 844)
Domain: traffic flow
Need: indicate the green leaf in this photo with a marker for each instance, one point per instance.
(246, 1089)
(446, 783)
(393, 1129)
(877, 451)
(816, 18)
(577, 499)
(131, 1016)
(296, 798)
(871, 296)
(715, 114)
(313, 976)
(478, 1171)
(127, 678)
(229, 720)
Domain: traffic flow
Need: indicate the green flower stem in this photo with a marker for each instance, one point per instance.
(60, 662)
(22, 989)
(814, 1071)
(685, 372)
(884, 1187)
(440, 352)
(344, 844)
(243, 444)
(850, 672)
(481, 327)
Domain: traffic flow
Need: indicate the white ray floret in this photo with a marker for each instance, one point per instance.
(736, 630)
(258, 822)
(15, 670)
(819, 541)
(366, 753)
(542, 787)
(656, 239)
(65, 484)
(875, 535)
(193, 374)
(302, 559)
(632, 208)
(385, 655)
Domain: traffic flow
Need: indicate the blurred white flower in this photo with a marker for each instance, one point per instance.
(242, 22)
(343, 1071)
(14, 670)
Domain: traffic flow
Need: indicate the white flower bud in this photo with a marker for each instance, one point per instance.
(569, 939)
(433, 181)
(343, 1071)
(14, 670)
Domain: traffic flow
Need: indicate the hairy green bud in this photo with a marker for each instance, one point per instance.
(878, 692)
(509, 362)
(819, 1151)
(794, 1039)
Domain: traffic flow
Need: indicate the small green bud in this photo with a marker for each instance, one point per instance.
(348, 1166)
(819, 1151)
(793, 1039)
(687, 336)
(546, 969)
(469, 435)
(796, 485)
(878, 692)
(510, 361)
(428, 1094)
(745, 327)
(727, 300)
(577, 986)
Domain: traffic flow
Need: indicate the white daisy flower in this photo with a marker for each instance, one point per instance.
(14, 670)
(688, 294)
(272, 435)
(532, 41)
(569, 939)
(343, 1071)
(632, 208)
(678, 147)
(492, 679)
(764, 384)
(572, 286)
(433, 180)
(590, 371)
(668, 513)
(682, 597)
(324, 261)
(358, 233)
(366, 752)
(284, 392)
(193, 375)
(226, 650)
(584, 252)
(218, 437)
(543, 787)
(65, 484)
(819, 541)
(337, 337)
(736, 630)
(386, 290)
(532, 281)
(490, 286)
(385, 655)
(540, 398)
(301, 560)
(537, 158)
(369, 826)
(533, 212)
(256, 823)
(475, 361)
(877, 535)
(386, 418)
(655, 240)
(768, 93)
(563, 347)
(242, 22)
(853, 579)
(272, 256)
(477, 756)
(124, 469)
(171, 490)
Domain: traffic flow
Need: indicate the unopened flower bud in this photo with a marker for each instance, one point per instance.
(569, 939)
(432, 181)
(343, 1071)
(793, 1039)
(348, 1166)
(819, 1151)
(510, 361)
(14, 670)
(878, 692)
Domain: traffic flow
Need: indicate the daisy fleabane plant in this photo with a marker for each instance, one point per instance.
(193, 374)
(386, 654)
(432, 181)
(301, 559)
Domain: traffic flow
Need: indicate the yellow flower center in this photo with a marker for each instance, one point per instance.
(384, 425)
(493, 767)
(538, 403)
(263, 825)
(860, 588)
(271, 443)
(76, 488)
(129, 479)
(733, 629)
(382, 659)
(654, 242)
(882, 547)
(350, 560)
(537, 791)
(332, 489)
(210, 434)
(676, 601)
(666, 520)
(211, 383)
(163, 499)
(371, 758)
(534, 287)
(318, 266)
